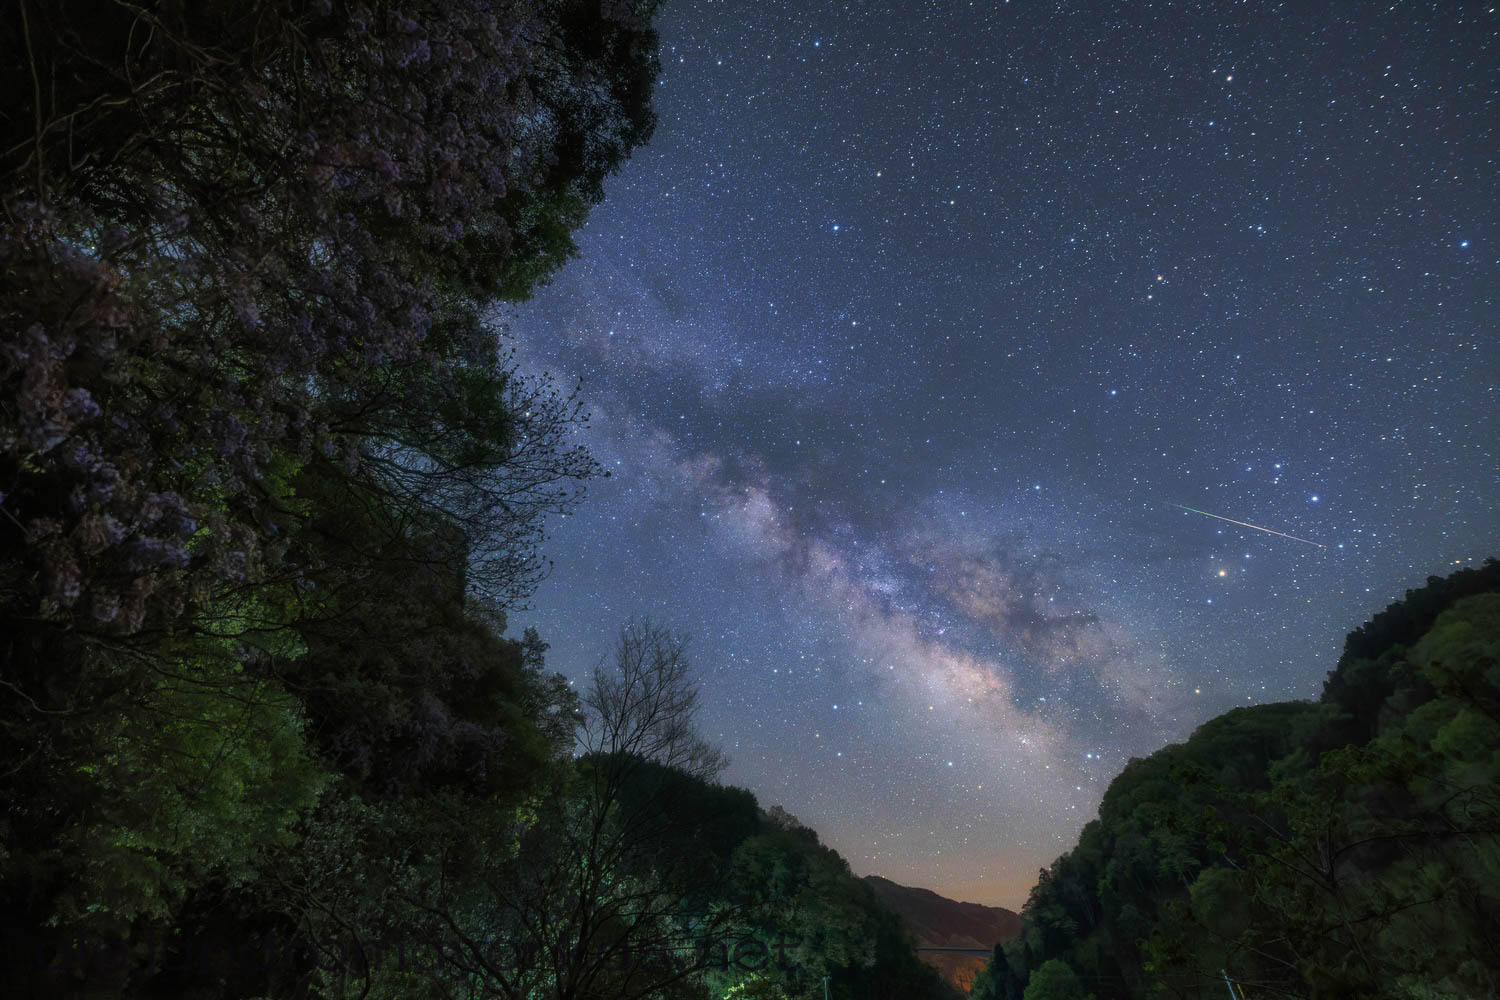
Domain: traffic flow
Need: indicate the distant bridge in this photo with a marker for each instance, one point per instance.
(960, 951)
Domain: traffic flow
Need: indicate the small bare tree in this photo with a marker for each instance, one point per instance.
(644, 708)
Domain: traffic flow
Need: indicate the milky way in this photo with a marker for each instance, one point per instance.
(911, 323)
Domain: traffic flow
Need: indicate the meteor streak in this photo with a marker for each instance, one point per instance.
(1244, 524)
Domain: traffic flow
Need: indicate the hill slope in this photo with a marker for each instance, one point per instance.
(939, 922)
(1342, 848)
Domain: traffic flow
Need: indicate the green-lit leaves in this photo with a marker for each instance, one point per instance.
(1348, 848)
(206, 773)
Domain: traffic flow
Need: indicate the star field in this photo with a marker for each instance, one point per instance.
(911, 324)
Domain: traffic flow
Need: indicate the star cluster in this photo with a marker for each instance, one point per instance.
(913, 322)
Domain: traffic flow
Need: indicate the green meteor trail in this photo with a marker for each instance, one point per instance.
(1245, 524)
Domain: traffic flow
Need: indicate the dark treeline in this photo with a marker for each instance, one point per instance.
(1343, 848)
(268, 486)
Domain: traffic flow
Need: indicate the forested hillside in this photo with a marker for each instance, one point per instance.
(1348, 847)
(269, 483)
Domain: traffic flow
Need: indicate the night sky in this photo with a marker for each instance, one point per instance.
(913, 321)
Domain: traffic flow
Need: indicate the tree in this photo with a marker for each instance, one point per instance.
(643, 710)
(238, 231)
(262, 458)
(619, 881)
(607, 882)
(1055, 980)
(1342, 848)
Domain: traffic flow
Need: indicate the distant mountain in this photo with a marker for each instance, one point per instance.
(939, 922)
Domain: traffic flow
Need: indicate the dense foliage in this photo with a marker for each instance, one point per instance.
(1348, 847)
(239, 235)
(268, 486)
